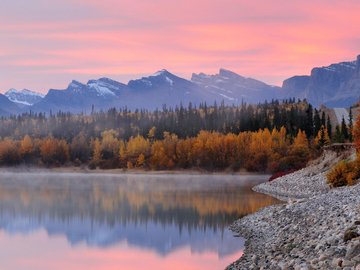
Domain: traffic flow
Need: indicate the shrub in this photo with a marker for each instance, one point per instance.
(343, 174)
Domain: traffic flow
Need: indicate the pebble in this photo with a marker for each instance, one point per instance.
(308, 233)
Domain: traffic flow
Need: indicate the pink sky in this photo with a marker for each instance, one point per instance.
(56, 254)
(46, 45)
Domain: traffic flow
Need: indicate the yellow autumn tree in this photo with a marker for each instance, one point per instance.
(279, 150)
(151, 134)
(122, 153)
(184, 153)
(299, 151)
(140, 161)
(9, 153)
(54, 151)
(26, 147)
(97, 155)
(109, 144)
(163, 153)
(322, 137)
(135, 147)
(260, 148)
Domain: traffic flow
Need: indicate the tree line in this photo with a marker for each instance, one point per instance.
(273, 136)
(262, 150)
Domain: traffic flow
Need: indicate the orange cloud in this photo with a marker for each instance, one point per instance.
(78, 39)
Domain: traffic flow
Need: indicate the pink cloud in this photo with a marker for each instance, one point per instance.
(78, 39)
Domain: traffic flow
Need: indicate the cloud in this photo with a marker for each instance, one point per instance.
(78, 39)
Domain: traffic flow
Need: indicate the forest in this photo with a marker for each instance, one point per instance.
(272, 137)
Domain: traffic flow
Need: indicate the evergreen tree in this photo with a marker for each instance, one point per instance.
(329, 126)
(338, 137)
(351, 127)
(309, 126)
(344, 129)
(322, 138)
(317, 122)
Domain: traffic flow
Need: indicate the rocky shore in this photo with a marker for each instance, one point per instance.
(318, 227)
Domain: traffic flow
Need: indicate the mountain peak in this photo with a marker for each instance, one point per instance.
(76, 84)
(23, 97)
(160, 73)
(23, 91)
(228, 73)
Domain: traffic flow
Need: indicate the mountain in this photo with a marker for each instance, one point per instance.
(337, 85)
(164, 87)
(234, 88)
(78, 97)
(24, 97)
(156, 90)
(149, 92)
(7, 107)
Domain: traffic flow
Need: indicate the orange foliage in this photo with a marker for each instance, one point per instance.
(9, 153)
(54, 151)
(255, 151)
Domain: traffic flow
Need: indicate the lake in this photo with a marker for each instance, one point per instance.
(107, 221)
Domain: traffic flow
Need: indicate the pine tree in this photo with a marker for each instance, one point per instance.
(351, 126)
(317, 122)
(329, 127)
(309, 129)
(344, 129)
(322, 137)
(338, 138)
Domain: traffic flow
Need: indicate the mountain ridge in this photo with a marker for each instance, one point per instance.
(335, 85)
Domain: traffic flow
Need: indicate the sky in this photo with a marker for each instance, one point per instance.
(46, 44)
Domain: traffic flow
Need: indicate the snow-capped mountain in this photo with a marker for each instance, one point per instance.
(234, 88)
(78, 97)
(24, 97)
(106, 87)
(149, 92)
(336, 85)
(164, 87)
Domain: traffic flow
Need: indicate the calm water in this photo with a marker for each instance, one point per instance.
(88, 221)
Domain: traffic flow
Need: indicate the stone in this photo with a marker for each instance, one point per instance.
(353, 251)
(350, 234)
(347, 263)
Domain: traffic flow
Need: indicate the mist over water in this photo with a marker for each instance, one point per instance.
(161, 218)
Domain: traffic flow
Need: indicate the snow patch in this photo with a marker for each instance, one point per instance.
(340, 114)
(227, 97)
(171, 82)
(19, 101)
(101, 89)
(24, 97)
(147, 82)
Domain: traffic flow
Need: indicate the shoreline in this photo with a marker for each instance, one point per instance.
(85, 170)
(318, 227)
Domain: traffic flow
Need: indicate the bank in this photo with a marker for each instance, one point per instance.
(317, 227)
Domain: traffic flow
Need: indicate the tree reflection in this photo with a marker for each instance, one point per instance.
(127, 205)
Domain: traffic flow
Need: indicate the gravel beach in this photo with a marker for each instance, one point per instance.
(318, 227)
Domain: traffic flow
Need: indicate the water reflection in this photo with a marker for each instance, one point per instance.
(163, 214)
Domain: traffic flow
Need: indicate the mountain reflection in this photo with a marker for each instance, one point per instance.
(156, 212)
